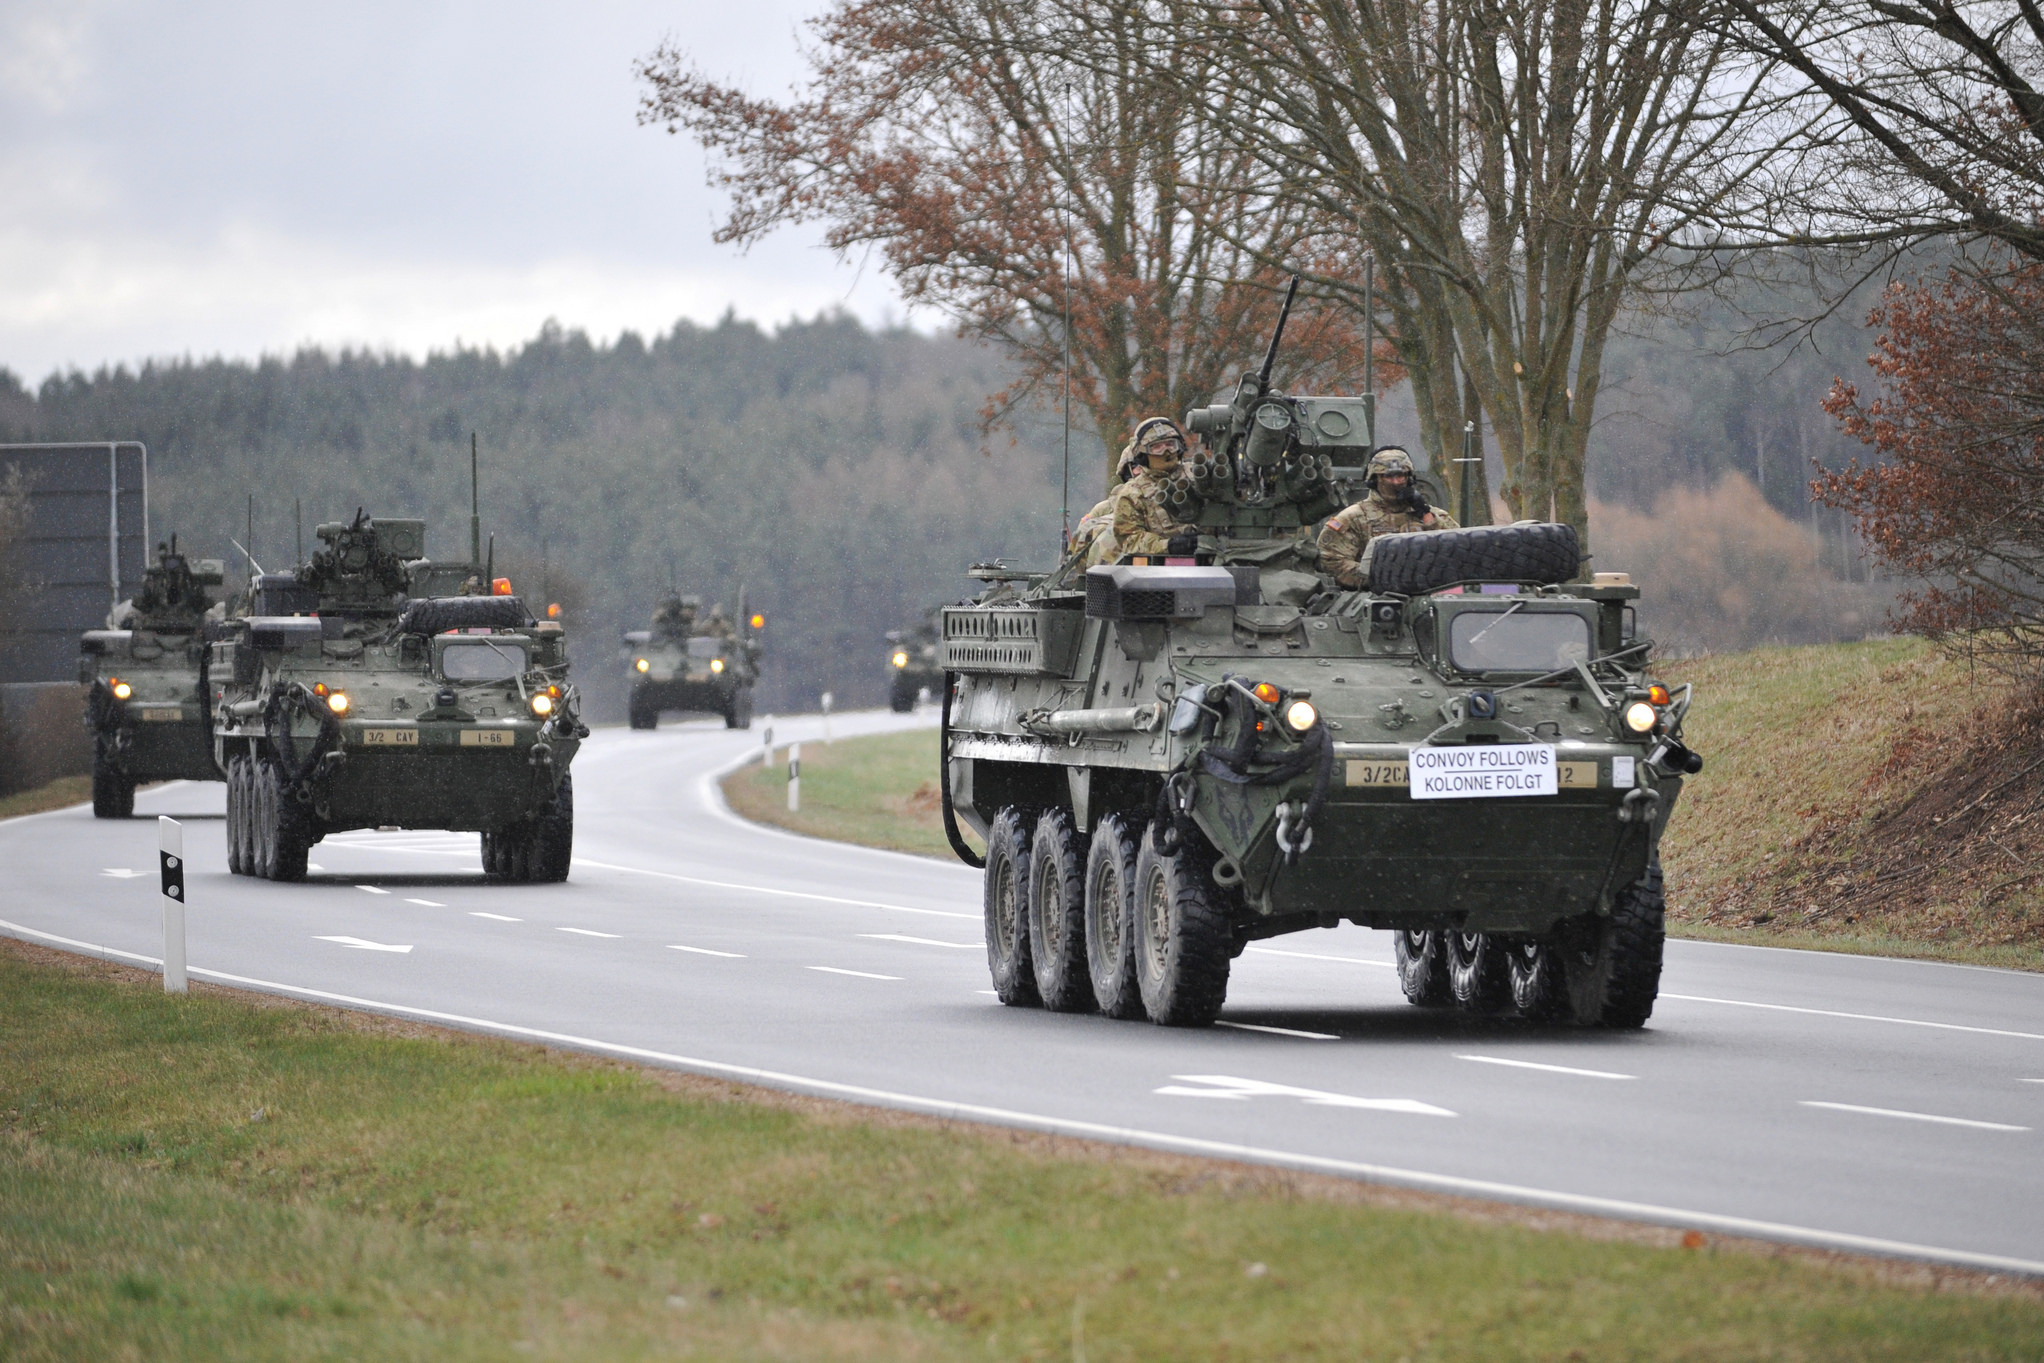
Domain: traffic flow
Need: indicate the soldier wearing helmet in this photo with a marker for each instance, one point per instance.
(1394, 506)
(1093, 536)
(1142, 522)
(675, 616)
(717, 627)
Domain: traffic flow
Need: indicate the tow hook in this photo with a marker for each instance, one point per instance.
(1294, 833)
(1639, 806)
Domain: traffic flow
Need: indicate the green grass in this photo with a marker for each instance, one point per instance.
(65, 790)
(222, 1178)
(880, 791)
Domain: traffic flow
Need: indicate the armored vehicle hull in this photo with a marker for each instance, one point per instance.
(913, 664)
(703, 674)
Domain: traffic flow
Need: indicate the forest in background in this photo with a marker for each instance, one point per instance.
(841, 474)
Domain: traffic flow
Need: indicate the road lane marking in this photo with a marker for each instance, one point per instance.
(1551, 1069)
(120, 873)
(1915, 1116)
(314, 866)
(923, 941)
(586, 932)
(762, 889)
(2030, 1081)
(361, 944)
(1241, 1090)
(496, 917)
(371, 889)
(426, 903)
(1316, 956)
(1278, 1031)
(705, 951)
(1653, 1212)
(1856, 1017)
(861, 974)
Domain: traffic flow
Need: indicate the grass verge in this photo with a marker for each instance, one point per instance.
(879, 790)
(65, 790)
(225, 1176)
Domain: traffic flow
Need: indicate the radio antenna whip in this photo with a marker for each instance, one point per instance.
(475, 506)
(1065, 478)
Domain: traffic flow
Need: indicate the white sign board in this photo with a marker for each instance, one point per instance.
(1469, 771)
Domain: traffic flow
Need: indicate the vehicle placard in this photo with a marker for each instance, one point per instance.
(488, 738)
(1471, 771)
(387, 738)
(1576, 775)
(1376, 772)
(160, 716)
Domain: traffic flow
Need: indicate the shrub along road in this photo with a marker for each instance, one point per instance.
(1860, 1104)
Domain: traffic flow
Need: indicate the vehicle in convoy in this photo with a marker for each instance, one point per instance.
(147, 701)
(913, 664)
(676, 666)
(1168, 759)
(344, 702)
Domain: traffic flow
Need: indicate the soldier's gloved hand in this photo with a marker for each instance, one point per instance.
(1183, 543)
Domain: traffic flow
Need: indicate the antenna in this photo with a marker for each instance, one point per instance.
(1065, 478)
(298, 510)
(1370, 349)
(490, 567)
(545, 578)
(1270, 355)
(475, 512)
(247, 552)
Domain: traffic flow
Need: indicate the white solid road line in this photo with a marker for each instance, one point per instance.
(1856, 1017)
(1316, 956)
(496, 917)
(762, 889)
(705, 951)
(586, 932)
(1278, 1031)
(371, 889)
(1915, 1116)
(1679, 1217)
(120, 873)
(922, 941)
(1228, 1086)
(1551, 1069)
(861, 974)
(361, 944)
(426, 903)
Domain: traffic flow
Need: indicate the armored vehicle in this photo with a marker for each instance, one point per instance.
(683, 663)
(1168, 759)
(148, 702)
(341, 702)
(913, 664)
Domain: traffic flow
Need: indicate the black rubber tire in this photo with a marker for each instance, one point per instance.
(1057, 914)
(1422, 968)
(1184, 942)
(113, 793)
(639, 714)
(262, 828)
(237, 796)
(1638, 933)
(1411, 564)
(739, 715)
(1007, 907)
(493, 855)
(1478, 978)
(899, 703)
(1597, 971)
(438, 614)
(1110, 933)
(552, 845)
(288, 838)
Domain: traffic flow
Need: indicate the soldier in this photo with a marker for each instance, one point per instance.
(675, 616)
(1395, 506)
(1092, 537)
(1143, 524)
(717, 627)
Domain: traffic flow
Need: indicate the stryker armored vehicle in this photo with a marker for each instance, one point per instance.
(686, 664)
(1168, 759)
(913, 664)
(148, 702)
(341, 702)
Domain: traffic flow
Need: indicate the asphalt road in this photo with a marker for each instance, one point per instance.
(1857, 1103)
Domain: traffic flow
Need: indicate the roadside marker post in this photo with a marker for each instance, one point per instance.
(766, 744)
(826, 717)
(794, 777)
(170, 858)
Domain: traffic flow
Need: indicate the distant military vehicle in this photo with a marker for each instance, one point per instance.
(685, 663)
(343, 702)
(148, 704)
(913, 664)
(1171, 758)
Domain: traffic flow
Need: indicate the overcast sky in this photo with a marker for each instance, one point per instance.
(242, 178)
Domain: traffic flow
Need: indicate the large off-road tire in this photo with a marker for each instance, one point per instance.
(1637, 934)
(493, 854)
(237, 816)
(1422, 967)
(1007, 907)
(641, 713)
(739, 714)
(1478, 977)
(286, 835)
(113, 790)
(552, 842)
(901, 701)
(1110, 931)
(1596, 971)
(1057, 914)
(1411, 564)
(1183, 939)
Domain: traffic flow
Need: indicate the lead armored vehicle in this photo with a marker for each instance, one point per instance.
(914, 664)
(1170, 759)
(147, 702)
(341, 702)
(683, 663)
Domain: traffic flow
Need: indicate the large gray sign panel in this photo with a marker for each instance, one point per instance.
(83, 549)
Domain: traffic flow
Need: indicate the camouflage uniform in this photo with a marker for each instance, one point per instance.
(1143, 523)
(717, 627)
(1093, 535)
(1350, 530)
(675, 616)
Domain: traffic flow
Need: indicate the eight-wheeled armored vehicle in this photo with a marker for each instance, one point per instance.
(342, 702)
(147, 702)
(1168, 759)
(913, 662)
(680, 664)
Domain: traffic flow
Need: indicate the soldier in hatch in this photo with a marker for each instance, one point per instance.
(675, 616)
(1394, 506)
(1143, 523)
(1093, 537)
(717, 627)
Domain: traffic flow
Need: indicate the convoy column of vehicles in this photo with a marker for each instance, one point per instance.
(1168, 760)
(147, 702)
(341, 702)
(670, 670)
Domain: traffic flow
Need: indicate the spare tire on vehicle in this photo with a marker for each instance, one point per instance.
(438, 614)
(1428, 560)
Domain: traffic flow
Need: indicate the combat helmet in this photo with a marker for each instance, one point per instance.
(1390, 459)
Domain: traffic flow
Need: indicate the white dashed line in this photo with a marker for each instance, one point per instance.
(705, 951)
(120, 873)
(494, 917)
(1550, 1069)
(586, 932)
(360, 944)
(371, 889)
(427, 903)
(1278, 1031)
(314, 866)
(923, 941)
(859, 974)
(1855, 1017)
(1916, 1116)
(990, 993)
(1315, 956)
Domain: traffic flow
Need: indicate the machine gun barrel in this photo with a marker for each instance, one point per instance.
(1270, 355)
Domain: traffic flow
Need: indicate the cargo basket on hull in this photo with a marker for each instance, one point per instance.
(1021, 641)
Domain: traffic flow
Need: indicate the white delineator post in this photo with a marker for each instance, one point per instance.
(826, 716)
(794, 776)
(766, 744)
(170, 859)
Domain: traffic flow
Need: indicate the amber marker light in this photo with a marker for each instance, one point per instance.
(120, 689)
(553, 611)
(1265, 692)
(900, 658)
(542, 705)
(758, 620)
(1641, 717)
(641, 664)
(1657, 694)
(500, 586)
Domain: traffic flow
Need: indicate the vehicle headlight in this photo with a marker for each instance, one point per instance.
(900, 658)
(120, 689)
(641, 664)
(337, 701)
(1301, 716)
(716, 664)
(542, 705)
(1641, 717)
